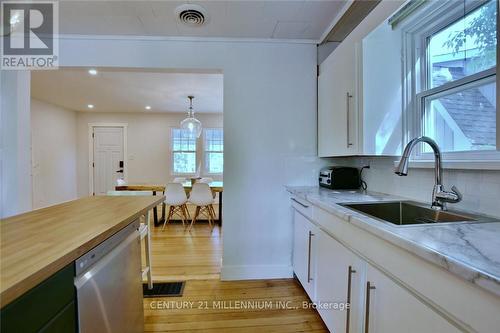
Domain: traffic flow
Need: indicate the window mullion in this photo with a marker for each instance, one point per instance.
(458, 83)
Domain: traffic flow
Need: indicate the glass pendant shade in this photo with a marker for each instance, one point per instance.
(191, 124)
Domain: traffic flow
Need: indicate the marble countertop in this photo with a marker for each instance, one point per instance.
(469, 250)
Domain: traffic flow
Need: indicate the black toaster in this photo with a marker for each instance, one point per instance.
(340, 178)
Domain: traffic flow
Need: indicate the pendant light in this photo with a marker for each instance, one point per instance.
(191, 124)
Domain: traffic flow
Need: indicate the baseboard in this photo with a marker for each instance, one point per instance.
(257, 272)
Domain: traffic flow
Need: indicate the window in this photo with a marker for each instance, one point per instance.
(462, 119)
(466, 46)
(183, 152)
(454, 70)
(214, 150)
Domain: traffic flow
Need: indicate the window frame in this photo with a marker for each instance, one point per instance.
(423, 23)
(205, 151)
(172, 153)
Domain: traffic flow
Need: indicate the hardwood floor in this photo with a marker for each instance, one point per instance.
(211, 305)
(179, 255)
(217, 306)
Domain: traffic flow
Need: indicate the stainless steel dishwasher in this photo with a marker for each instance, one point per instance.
(109, 285)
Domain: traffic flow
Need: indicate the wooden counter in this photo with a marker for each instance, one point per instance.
(39, 243)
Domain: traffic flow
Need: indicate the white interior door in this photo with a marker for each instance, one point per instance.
(108, 153)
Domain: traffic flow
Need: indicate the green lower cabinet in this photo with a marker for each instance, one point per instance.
(65, 321)
(48, 307)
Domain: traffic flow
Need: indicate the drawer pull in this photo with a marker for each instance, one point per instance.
(300, 203)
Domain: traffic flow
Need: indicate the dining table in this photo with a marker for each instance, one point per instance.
(215, 186)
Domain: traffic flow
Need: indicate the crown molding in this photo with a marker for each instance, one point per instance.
(187, 39)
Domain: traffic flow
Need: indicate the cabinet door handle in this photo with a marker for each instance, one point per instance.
(348, 98)
(309, 279)
(369, 288)
(300, 203)
(350, 272)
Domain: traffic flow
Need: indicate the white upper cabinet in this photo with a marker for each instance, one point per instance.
(359, 91)
(337, 111)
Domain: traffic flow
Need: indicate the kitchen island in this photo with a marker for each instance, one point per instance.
(37, 246)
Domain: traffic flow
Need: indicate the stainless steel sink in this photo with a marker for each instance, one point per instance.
(410, 213)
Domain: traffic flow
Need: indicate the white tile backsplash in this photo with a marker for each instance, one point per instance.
(480, 188)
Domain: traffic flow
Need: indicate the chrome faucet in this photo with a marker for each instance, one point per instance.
(439, 196)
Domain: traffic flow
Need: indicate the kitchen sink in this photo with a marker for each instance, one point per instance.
(411, 213)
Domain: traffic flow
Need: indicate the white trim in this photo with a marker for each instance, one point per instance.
(335, 20)
(448, 87)
(190, 39)
(472, 155)
(251, 272)
(91, 151)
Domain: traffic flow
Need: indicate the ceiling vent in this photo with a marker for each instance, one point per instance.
(192, 15)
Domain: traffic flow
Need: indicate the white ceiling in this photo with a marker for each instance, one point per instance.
(128, 91)
(271, 19)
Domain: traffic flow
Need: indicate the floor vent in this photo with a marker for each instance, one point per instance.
(164, 289)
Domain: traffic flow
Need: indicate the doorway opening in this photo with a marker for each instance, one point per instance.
(122, 127)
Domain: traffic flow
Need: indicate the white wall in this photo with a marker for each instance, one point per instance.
(15, 146)
(269, 133)
(53, 131)
(148, 144)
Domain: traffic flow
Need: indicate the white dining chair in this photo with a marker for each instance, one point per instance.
(176, 198)
(208, 180)
(180, 180)
(201, 196)
(144, 232)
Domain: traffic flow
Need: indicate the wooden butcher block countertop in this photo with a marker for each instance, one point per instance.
(37, 244)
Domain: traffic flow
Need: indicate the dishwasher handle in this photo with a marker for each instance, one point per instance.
(86, 276)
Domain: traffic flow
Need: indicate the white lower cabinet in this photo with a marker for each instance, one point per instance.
(304, 249)
(340, 279)
(390, 308)
(333, 275)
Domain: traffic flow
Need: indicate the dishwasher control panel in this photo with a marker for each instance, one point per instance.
(88, 259)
